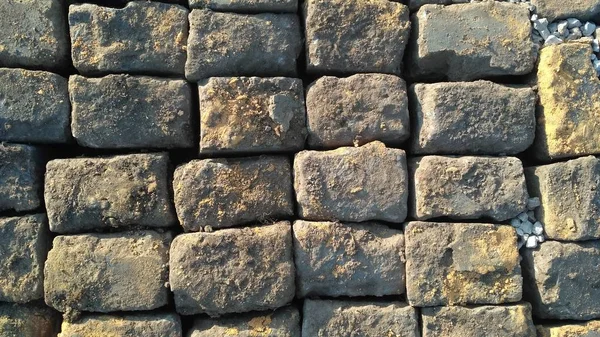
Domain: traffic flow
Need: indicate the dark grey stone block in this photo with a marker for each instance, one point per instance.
(247, 6)
(21, 177)
(556, 9)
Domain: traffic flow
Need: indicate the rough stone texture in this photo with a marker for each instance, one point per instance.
(34, 107)
(247, 6)
(357, 110)
(251, 114)
(21, 177)
(471, 118)
(24, 244)
(569, 99)
(484, 321)
(414, 5)
(233, 270)
(142, 37)
(467, 187)
(460, 263)
(584, 329)
(230, 192)
(227, 44)
(84, 194)
(561, 280)
(33, 34)
(328, 318)
(122, 111)
(128, 325)
(19, 320)
(335, 259)
(463, 50)
(570, 209)
(108, 272)
(359, 36)
(352, 184)
(283, 322)
(556, 9)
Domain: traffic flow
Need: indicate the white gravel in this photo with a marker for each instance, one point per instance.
(530, 232)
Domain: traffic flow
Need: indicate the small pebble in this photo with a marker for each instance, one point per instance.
(563, 28)
(573, 23)
(525, 237)
(523, 216)
(515, 223)
(593, 57)
(527, 227)
(531, 216)
(538, 229)
(534, 17)
(520, 232)
(531, 242)
(533, 203)
(588, 29)
(553, 27)
(596, 45)
(540, 24)
(540, 238)
(552, 39)
(574, 34)
(545, 33)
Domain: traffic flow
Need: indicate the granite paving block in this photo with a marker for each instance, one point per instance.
(123, 111)
(583, 329)
(251, 115)
(357, 110)
(467, 187)
(352, 184)
(229, 192)
(124, 325)
(21, 177)
(556, 9)
(247, 6)
(85, 194)
(144, 37)
(28, 320)
(233, 270)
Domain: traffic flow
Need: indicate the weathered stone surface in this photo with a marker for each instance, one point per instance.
(142, 37)
(557, 9)
(561, 280)
(471, 118)
(284, 322)
(569, 99)
(349, 259)
(34, 107)
(467, 187)
(122, 111)
(21, 177)
(34, 34)
(355, 36)
(414, 5)
(247, 6)
(352, 184)
(484, 321)
(129, 325)
(108, 272)
(485, 39)
(369, 319)
(251, 114)
(227, 44)
(233, 270)
(461, 263)
(31, 320)
(25, 243)
(570, 209)
(584, 329)
(357, 110)
(230, 192)
(85, 194)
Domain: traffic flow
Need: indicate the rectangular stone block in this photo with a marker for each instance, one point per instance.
(247, 6)
(352, 184)
(489, 321)
(556, 9)
(128, 325)
(284, 322)
(34, 35)
(461, 263)
(589, 329)
(570, 203)
(229, 192)
(375, 43)
(84, 194)
(228, 44)
(561, 280)
(348, 259)
(251, 115)
(21, 177)
(25, 242)
(467, 187)
(479, 117)
(143, 37)
(356, 110)
(34, 107)
(485, 39)
(233, 270)
(365, 318)
(567, 125)
(28, 320)
(125, 271)
(122, 111)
